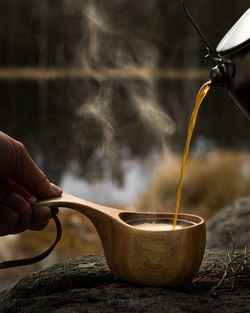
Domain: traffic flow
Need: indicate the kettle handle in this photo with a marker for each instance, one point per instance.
(28, 261)
(210, 49)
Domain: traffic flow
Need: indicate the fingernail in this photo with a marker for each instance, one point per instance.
(31, 200)
(55, 189)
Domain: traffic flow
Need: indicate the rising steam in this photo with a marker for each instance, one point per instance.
(110, 40)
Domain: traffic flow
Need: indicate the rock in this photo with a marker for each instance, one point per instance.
(86, 285)
(235, 219)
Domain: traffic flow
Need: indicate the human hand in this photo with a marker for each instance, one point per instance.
(21, 181)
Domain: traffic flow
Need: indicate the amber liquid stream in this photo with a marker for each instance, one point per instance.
(200, 96)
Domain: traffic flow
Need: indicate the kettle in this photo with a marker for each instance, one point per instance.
(232, 57)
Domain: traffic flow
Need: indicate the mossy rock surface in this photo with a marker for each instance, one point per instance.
(86, 285)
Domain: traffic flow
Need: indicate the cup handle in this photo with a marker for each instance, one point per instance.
(28, 261)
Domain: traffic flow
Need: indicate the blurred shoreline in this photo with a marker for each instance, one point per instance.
(29, 73)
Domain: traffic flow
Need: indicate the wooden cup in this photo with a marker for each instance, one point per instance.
(161, 258)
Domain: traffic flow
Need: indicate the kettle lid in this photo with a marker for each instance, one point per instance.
(237, 37)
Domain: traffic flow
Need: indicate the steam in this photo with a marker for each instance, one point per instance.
(98, 111)
(110, 41)
(149, 110)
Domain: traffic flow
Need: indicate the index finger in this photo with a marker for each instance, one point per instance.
(28, 174)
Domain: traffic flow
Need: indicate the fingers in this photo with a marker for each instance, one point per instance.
(7, 157)
(40, 218)
(22, 208)
(22, 191)
(17, 215)
(21, 181)
(30, 176)
(8, 220)
(16, 163)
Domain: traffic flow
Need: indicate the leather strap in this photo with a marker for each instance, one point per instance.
(21, 262)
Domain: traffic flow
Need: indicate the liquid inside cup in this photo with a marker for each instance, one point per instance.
(159, 224)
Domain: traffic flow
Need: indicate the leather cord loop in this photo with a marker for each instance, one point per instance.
(28, 261)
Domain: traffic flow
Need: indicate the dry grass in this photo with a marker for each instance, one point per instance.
(210, 183)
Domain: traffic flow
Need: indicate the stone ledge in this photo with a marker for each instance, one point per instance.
(86, 285)
(234, 219)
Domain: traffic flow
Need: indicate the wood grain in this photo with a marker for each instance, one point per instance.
(160, 258)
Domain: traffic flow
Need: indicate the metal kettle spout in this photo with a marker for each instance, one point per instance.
(232, 56)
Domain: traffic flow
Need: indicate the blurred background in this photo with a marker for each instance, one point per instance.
(100, 93)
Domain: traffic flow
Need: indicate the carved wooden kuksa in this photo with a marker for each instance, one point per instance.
(161, 258)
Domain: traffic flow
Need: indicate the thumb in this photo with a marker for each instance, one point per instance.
(31, 177)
